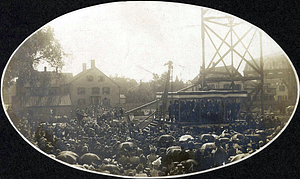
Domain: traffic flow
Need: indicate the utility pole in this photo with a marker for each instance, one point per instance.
(166, 91)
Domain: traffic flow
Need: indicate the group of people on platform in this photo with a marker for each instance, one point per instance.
(206, 110)
(123, 149)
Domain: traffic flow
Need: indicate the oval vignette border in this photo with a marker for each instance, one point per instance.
(251, 23)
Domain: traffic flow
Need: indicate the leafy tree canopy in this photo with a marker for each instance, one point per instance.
(41, 47)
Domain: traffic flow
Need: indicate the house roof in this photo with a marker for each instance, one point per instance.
(88, 71)
(141, 86)
(271, 62)
(274, 83)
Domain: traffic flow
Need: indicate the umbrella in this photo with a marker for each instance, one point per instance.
(165, 140)
(68, 156)
(262, 132)
(238, 157)
(88, 158)
(127, 145)
(166, 137)
(207, 146)
(238, 136)
(228, 135)
(111, 168)
(189, 162)
(207, 137)
(185, 138)
(224, 140)
(172, 148)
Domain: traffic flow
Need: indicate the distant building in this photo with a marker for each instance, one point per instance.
(220, 73)
(42, 97)
(276, 67)
(92, 88)
(62, 94)
(280, 85)
(274, 89)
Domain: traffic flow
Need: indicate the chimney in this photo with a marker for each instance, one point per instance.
(83, 66)
(45, 69)
(92, 63)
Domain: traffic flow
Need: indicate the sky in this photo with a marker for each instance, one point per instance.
(133, 39)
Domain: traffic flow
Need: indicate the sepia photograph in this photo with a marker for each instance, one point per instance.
(149, 89)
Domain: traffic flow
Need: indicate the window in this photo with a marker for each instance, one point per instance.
(106, 90)
(101, 78)
(81, 90)
(81, 101)
(238, 86)
(212, 86)
(95, 99)
(90, 78)
(279, 98)
(95, 90)
(266, 89)
(282, 88)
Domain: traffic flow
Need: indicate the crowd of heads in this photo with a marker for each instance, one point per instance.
(109, 142)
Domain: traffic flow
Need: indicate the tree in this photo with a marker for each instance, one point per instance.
(40, 47)
(124, 83)
(158, 83)
(178, 84)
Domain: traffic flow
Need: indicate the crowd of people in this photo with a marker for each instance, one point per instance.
(110, 143)
(208, 110)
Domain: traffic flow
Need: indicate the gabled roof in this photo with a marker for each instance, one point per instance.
(88, 71)
(82, 73)
(274, 83)
(141, 86)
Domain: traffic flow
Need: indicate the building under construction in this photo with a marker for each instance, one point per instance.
(221, 93)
